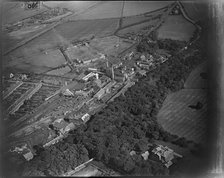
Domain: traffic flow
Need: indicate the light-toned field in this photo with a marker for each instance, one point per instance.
(176, 27)
(133, 19)
(106, 45)
(83, 53)
(27, 60)
(195, 81)
(177, 118)
(13, 12)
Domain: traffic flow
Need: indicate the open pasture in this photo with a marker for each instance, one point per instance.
(176, 27)
(195, 79)
(27, 60)
(177, 118)
(107, 45)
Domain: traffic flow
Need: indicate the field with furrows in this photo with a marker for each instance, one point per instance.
(15, 95)
(34, 102)
(198, 77)
(178, 118)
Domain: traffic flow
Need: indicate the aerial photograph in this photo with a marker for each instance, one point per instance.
(104, 88)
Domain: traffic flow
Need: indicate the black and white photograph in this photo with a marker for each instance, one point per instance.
(112, 88)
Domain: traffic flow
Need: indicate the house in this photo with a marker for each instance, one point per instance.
(100, 93)
(67, 92)
(145, 155)
(85, 117)
(165, 154)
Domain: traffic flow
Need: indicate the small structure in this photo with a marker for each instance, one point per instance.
(67, 92)
(25, 151)
(145, 155)
(11, 75)
(85, 117)
(132, 153)
(165, 154)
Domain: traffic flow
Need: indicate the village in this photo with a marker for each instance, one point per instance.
(42, 109)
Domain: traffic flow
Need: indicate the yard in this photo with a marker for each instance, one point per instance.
(176, 27)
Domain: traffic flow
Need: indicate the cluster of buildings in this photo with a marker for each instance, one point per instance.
(159, 153)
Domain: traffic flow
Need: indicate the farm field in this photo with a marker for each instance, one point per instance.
(176, 27)
(113, 9)
(133, 19)
(137, 28)
(195, 81)
(27, 59)
(195, 10)
(106, 45)
(109, 9)
(140, 7)
(177, 118)
(13, 12)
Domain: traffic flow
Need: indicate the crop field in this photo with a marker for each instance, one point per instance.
(195, 81)
(60, 71)
(195, 10)
(27, 58)
(176, 27)
(106, 45)
(12, 12)
(137, 28)
(133, 19)
(6, 85)
(177, 118)
(109, 9)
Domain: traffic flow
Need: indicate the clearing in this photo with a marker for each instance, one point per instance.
(176, 27)
(178, 118)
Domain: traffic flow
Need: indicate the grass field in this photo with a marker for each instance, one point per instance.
(106, 45)
(109, 9)
(195, 10)
(27, 59)
(13, 12)
(177, 118)
(195, 81)
(140, 7)
(133, 19)
(113, 9)
(138, 27)
(176, 27)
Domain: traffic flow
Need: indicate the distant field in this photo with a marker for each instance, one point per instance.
(106, 45)
(195, 80)
(137, 28)
(177, 118)
(13, 12)
(176, 28)
(78, 29)
(140, 7)
(133, 19)
(109, 9)
(195, 10)
(112, 9)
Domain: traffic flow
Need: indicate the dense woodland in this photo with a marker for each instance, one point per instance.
(128, 123)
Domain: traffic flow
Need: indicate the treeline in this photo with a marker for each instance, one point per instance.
(129, 123)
